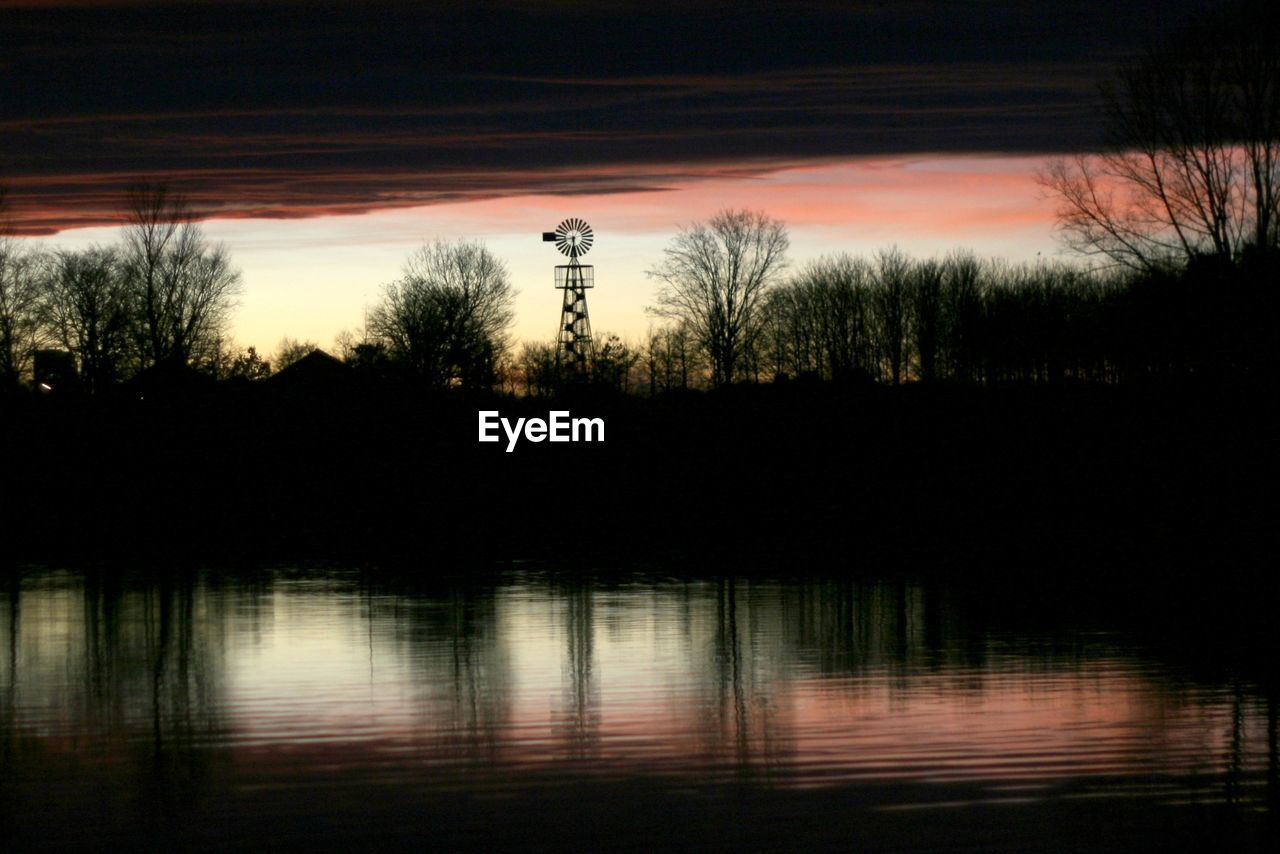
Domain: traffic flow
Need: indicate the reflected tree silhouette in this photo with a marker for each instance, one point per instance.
(1273, 749)
(453, 642)
(1236, 747)
(12, 602)
(745, 655)
(732, 705)
(580, 721)
(138, 672)
(159, 688)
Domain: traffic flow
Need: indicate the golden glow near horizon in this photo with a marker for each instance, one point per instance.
(309, 279)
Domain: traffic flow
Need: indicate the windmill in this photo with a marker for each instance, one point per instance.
(574, 347)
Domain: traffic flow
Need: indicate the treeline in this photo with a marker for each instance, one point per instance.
(159, 298)
(892, 318)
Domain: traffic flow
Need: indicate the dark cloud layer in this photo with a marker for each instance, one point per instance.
(287, 109)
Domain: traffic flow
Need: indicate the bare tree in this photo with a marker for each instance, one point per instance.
(613, 361)
(846, 324)
(963, 284)
(715, 276)
(509, 375)
(86, 307)
(670, 358)
(346, 342)
(537, 367)
(777, 336)
(651, 359)
(1192, 164)
(684, 367)
(447, 316)
(819, 322)
(926, 317)
(889, 301)
(20, 321)
(249, 366)
(182, 288)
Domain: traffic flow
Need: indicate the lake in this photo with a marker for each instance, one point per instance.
(538, 708)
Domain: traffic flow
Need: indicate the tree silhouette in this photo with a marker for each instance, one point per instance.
(926, 317)
(537, 367)
(1192, 163)
(895, 319)
(249, 366)
(820, 322)
(448, 314)
(669, 358)
(715, 276)
(20, 321)
(890, 300)
(613, 361)
(182, 288)
(962, 306)
(86, 306)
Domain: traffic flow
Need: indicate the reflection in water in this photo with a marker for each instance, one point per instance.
(123, 697)
(579, 718)
(447, 652)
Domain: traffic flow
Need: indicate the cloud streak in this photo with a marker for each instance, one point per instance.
(358, 107)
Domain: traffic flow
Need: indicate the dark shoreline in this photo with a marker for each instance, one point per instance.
(954, 477)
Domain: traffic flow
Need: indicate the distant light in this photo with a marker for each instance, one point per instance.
(46, 387)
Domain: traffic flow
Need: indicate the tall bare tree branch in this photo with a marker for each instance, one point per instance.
(714, 278)
(1190, 168)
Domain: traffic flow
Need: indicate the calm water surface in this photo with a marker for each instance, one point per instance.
(318, 707)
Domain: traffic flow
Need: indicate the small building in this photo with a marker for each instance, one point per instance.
(314, 370)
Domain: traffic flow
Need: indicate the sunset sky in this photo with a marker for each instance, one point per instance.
(326, 140)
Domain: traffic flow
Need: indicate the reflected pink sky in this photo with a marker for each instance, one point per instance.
(313, 678)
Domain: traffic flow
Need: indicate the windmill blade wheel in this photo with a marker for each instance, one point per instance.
(574, 237)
